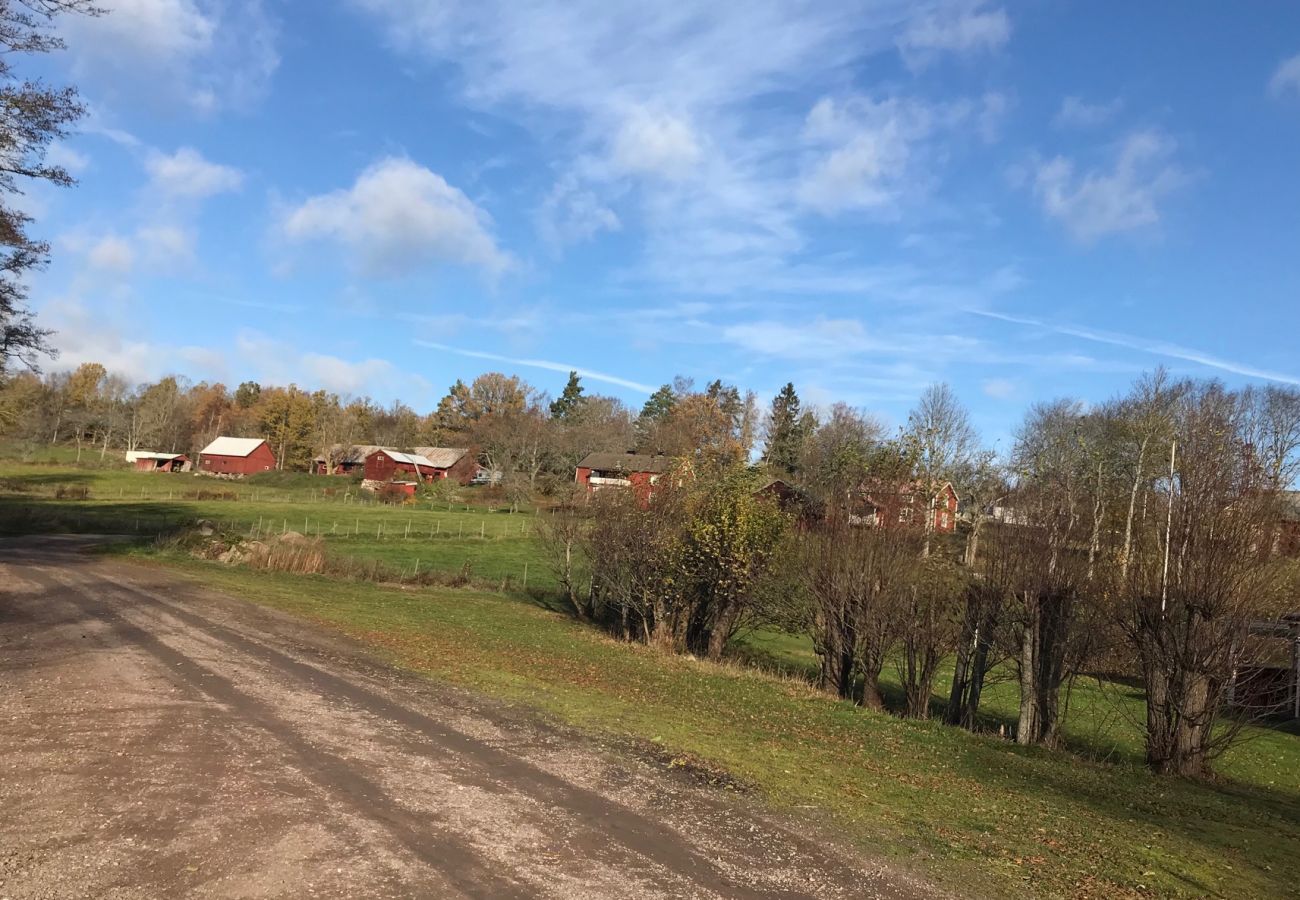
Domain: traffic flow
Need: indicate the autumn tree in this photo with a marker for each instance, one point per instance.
(286, 420)
(35, 115)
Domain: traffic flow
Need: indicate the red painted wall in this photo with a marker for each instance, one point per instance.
(382, 467)
(260, 460)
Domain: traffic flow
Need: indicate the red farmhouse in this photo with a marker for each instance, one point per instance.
(888, 505)
(236, 456)
(639, 470)
(382, 464)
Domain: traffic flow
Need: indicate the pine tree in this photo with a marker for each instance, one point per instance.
(785, 432)
(570, 398)
(659, 405)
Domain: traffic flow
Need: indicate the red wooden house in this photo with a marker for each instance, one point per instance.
(637, 470)
(908, 504)
(236, 456)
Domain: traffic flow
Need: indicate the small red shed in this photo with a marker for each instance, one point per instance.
(236, 456)
(150, 461)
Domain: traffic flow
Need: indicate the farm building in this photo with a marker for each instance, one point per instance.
(907, 504)
(631, 469)
(152, 461)
(236, 456)
(1288, 531)
(455, 463)
(382, 464)
(347, 459)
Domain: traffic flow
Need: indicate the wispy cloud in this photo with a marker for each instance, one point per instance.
(1286, 78)
(1105, 201)
(542, 364)
(1144, 345)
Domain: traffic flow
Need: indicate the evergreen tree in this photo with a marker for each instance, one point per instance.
(570, 398)
(247, 394)
(785, 432)
(659, 405)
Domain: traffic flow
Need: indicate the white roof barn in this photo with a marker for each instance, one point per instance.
(232, 446)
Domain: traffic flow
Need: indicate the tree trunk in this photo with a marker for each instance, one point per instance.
(1132, 510)
(1042, 667)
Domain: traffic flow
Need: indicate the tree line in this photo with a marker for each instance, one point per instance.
(534, 441)
(1138, 538)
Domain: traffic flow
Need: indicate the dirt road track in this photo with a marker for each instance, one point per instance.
(160, 740)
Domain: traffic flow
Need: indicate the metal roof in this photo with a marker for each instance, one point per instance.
(442, 457)
(627, 462)
(232, 446)
(133, 455)
(413, 459)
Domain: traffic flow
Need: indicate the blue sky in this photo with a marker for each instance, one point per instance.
(380, 196)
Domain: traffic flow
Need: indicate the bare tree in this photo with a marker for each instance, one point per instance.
(562, 531)
(944, 444)
(1200, 573)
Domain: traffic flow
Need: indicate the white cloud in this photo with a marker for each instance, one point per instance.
(962, 28)
(573, 213)
(344, 377)
(1146, 345)
(674, 100)
(998, 388)
(1078, 113)
(1286, 78)
(873, 154)
(397, 217)
(166, 248)
(657, 145)
(1125, 197)
(872, 144)
(112, 254)
(547, 364)
(187, 174)
(206, 54)
(60, 154)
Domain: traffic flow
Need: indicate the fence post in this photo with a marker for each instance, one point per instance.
(525, 576)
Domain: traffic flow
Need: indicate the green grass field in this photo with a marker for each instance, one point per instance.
(496, 544)
(973, 811)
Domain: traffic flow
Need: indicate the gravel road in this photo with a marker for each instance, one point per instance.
(158, 739)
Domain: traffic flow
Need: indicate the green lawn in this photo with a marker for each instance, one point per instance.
(496, 543)
(974, 812)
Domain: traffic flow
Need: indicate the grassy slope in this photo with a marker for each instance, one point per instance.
(971, 810)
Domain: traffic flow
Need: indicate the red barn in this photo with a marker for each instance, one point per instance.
(908, 504)
(382, 464)
(236, 456)
(455, 463)
(638, 470)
